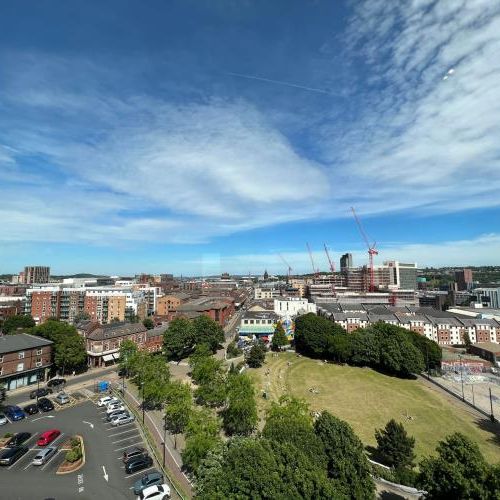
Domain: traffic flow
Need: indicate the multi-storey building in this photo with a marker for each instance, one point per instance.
(24, 359)
(346, 262)
(488, 297)
(291, 307)
(170, 302)
(36, 274)
(463, 279)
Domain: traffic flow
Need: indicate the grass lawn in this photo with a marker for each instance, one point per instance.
(368, 399)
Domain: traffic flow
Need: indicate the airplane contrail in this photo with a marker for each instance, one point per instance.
(280, 82)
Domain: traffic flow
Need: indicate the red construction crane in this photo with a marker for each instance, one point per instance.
(289, 267)
(315, 270)
(332, 266)
(371, 250)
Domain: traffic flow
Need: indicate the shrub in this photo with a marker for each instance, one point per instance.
(8, 435)
(74, 454)
(74, 442)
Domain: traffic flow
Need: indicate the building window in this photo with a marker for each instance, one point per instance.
(38, 352)
(20, 367)
(1, 359)
(38, 364)
(20, 355)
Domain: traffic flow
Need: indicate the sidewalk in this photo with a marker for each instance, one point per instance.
(153, 421)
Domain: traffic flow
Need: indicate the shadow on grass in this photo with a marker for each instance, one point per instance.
(492, 428)
(387, 495)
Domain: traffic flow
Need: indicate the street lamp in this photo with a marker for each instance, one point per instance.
(164, 437)
(462, 376)
(143, 405)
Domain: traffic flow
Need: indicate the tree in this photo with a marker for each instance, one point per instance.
(289, 421)
(467, 340)
(365, 349)
(202, 436)
(70, 352)
(279, 338)
(178, 339)
(395, 447)
(22, 322)
(148, 323)
(347, 466)
(204, 367)
(256, 355)
(339, 347)
(431, 351)
(233, 350)
(240, 414)
(459, 471)
(207, 331)
(178, 409)
(128, 353)
(154, 374)
(81, 316)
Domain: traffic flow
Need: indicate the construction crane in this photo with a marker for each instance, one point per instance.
(371, 250)
(289, 267)
(315, 270)
(332, 267)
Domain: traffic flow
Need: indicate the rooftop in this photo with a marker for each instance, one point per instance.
(114, 330)
(489, 346)
(20, 342)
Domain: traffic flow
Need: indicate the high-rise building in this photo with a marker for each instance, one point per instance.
(403, 276)
(36, 274)
(346, 261)
(464, 279)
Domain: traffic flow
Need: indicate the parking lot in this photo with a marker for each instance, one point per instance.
(102, 476)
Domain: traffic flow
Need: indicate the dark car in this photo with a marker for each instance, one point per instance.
(8, 456)
(150, 479)
(40, 393)
(150, 405)
(18, 439)
(55, 382)
(138, 463)
(14, 413)
(132, 452)
(45, 404)
(31, 409)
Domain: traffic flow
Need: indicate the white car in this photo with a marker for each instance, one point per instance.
(122, 419)
(115, 408)
(3, 419)
(62, 398)
(156, 492)
(106, 400)
(113, 404)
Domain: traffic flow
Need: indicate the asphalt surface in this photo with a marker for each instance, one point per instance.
(104, 445)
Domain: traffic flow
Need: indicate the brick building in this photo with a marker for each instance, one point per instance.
(219, 309)
(23, 359)
(169, 303)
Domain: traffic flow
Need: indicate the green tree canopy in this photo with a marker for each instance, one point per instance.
(257, 354)
(70, 352)
(12, 323)
(240, 414)
(207, 331)
(459, 471)
(155, 375)
(128, 354)
(395, 447)
(178, 409)
(348, 466)
(148, 323)
(178, 339)
(279, 338)
(365, 349)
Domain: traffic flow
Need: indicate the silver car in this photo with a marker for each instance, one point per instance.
(43, 456)
(62, 398)
(3, 419)
(122, 419)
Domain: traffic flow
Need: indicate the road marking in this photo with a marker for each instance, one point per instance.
(18, 460)
(105, 473)
(121, 426)
(45, 416)
(128, 446)
(123, 432)
(90, 423)
(125, 439)
(139, 472)
(50, 459)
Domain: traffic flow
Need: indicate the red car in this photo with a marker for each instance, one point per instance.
(47, 437)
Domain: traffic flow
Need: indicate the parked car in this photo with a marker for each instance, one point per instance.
(18, 439)
(40, 393)
(122, 420)
(45, 404)
(138, 463)
(157, 492)
(150, 479)
(47, 437)
(31, 409)
(3, 419)
(111, 409)
(43, 456)
(150, 405)
(116, 413)
(106, 400)
(132, 452)
(55, 382)
(8, 456)
(62, 398)
(14, 413)
(114, 404)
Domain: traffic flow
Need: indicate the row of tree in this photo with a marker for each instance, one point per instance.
(293, 457)
(183, 335)
(382, 346)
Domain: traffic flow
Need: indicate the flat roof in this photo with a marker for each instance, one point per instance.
(488, 346)
(20, 342)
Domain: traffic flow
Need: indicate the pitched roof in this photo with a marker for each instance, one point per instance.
(20, 342)
(114, 330)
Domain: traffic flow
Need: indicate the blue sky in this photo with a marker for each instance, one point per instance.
(199, 137)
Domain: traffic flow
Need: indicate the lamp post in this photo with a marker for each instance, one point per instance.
(123, 375)
(143, 405)
(164, 438)
(462, 376)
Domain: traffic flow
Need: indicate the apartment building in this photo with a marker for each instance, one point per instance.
(169, 303)
(291, 307)
(23, 359)
(220, 309)
(36, 274)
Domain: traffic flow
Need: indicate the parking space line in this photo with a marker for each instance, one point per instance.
(123, 432)
(125, 439)
(50, 459)
(128, 446)
(139, 472)
(18, 460)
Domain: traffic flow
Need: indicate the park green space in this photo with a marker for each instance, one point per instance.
(367, 399)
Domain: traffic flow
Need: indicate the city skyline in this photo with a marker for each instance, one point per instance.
(207, 137)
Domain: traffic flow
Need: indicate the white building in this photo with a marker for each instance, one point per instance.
(291, 307)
